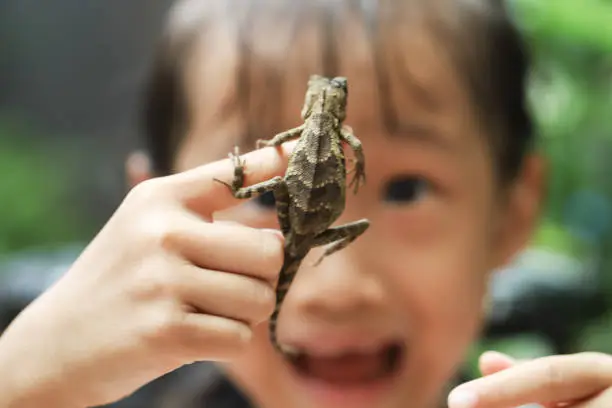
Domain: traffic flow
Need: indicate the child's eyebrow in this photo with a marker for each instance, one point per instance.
(422, 134)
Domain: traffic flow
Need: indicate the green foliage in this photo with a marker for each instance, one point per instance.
(33, 191)
(571, 98)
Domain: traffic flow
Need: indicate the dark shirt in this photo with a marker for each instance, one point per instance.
(200, 385)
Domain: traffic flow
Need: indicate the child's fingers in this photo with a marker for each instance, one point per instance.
(544, 380)
(201, 193)
(229, 248)
(207, 337)
(235, 297)
(492, 362)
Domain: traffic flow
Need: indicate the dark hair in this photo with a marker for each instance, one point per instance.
(478, 35)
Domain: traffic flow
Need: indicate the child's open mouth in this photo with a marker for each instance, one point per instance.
(351, 368)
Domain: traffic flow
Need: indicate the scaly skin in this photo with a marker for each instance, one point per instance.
(311, 195)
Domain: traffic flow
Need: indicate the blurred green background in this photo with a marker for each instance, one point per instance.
(571, 99)
(57, 159)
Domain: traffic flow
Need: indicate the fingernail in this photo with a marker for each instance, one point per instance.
(496, 354)
(462, 399)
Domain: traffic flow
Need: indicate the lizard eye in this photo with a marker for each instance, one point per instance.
(340, 82)
(266, 200)
(406, 189)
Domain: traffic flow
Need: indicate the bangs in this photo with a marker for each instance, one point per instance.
(261, 54)
(256, 57)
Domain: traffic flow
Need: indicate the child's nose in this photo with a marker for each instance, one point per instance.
(341, 287)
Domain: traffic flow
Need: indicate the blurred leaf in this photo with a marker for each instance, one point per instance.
(585, 23)
(33, 205)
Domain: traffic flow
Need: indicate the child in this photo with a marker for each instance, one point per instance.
(183, 272)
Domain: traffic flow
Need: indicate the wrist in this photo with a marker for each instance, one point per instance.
(25, 384)
(21, 390)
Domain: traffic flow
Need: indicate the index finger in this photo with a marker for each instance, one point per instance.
(542, 381)
(197, 188)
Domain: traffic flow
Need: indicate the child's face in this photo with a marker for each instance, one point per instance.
(417, 278)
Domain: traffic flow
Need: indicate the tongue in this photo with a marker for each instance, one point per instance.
(348, 368)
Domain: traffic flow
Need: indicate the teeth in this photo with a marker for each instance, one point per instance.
(290, 351)
(349, 368)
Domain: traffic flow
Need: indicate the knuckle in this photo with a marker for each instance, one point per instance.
(154, 283)
(148, 190)
(160, 232)
(163, 327)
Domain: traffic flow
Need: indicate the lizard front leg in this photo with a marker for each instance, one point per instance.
(341, 237)
(282, 137)
(237, 186)
(346, 134)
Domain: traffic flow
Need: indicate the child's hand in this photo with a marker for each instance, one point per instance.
(159, 287)
(581, 380)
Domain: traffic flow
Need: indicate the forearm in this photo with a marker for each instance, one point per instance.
(29, 396)
(23, 386)
(29, 376)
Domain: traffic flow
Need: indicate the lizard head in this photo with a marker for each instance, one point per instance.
(336, 97)
(326, 95)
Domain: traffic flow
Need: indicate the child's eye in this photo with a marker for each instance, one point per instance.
(405, 189)
(266, 200)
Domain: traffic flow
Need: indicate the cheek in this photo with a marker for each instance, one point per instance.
(438, 270)
(441, 267)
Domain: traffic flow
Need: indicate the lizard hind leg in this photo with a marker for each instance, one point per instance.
(340, 237)
(237, 185)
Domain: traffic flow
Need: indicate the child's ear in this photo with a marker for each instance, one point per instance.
(523, 209)
(137, 168)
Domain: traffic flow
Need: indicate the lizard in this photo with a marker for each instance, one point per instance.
(311, 195)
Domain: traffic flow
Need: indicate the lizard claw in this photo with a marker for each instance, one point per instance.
(235, 158)
(359, 177)
(238, 165)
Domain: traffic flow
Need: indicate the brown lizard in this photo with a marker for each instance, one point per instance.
(311, 195)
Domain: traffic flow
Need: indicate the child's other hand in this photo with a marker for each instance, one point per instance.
(160, 286)
(582, 380)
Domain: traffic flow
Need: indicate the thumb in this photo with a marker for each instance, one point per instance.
(492, 362)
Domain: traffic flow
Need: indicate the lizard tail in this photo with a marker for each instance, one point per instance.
(290, 267)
